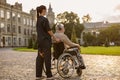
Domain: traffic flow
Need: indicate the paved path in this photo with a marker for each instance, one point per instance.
(21, 66)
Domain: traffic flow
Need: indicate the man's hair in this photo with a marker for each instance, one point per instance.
(59, 26)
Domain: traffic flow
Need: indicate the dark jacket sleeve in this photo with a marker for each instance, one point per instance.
(47, 25)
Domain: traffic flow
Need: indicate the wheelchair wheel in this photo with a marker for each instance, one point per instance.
(53, 67)
(79, 72)
(66, 65)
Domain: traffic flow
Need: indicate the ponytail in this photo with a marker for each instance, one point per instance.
(37, 12)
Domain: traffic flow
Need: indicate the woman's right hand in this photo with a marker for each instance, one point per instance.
(57, 40)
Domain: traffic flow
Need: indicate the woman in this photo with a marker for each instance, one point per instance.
(44, 35)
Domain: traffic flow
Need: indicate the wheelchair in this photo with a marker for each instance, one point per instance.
(65, 61)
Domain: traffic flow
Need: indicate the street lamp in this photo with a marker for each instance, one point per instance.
(12, 24)
(1, 27)
(32, 22)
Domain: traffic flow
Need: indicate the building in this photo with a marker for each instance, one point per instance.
(16, 26)
(94, 28)
(51, 16)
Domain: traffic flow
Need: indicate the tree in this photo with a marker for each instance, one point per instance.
(69, 20)
(89, 39)
(86, 18)
(110, 34)
(73, 36)
(107, 43)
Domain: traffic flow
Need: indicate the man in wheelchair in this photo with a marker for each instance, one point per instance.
(65, 44)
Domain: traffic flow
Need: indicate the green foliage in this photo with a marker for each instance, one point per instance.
(106, 43)
(35, 45)
(112, 34)
(85, 44)
(30, 43)
(25, 49)
(89, 39)
(69, 20)
(73, 36)
(86, 18)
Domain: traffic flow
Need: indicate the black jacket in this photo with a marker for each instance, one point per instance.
(44, 39)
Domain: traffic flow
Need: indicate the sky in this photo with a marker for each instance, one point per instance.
(99, 10)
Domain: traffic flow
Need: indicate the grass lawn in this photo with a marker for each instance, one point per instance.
(87, 50)
(101, 50)
(23, 49)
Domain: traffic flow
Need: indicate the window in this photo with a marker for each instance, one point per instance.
(19, 15)
(9, 41)
(28, 32)
(24, 21)
(25, 41)
(8, 15)
(14, 29)
(31, 32)
(2, 13)
(28, 22)
(24, 31)
(13, 16)
(34, 23)
(14, 41)
(2, 25)
(19, 41)
(19, 29)
(8, 27)
(19, 19)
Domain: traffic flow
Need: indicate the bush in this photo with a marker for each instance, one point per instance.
(35, 45)
(107, 44)
(85, 44)
(30, 44)
(73, 36)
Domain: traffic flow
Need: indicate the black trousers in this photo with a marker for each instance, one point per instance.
(40, 61)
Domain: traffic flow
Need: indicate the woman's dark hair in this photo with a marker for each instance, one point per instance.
(40, 9)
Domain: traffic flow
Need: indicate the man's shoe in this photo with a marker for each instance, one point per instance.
(83, 67)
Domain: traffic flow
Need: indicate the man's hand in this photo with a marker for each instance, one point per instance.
(78, 46)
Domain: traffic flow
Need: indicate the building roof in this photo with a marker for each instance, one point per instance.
(98, 25)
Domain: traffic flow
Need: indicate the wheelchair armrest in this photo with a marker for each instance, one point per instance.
(72, 47)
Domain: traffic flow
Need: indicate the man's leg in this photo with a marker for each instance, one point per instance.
(39, 65)
(47, 58)
(82, 62)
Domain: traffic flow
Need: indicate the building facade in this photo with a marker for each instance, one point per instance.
(16, 26)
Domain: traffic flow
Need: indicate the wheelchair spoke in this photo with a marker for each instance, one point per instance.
(66, 65)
